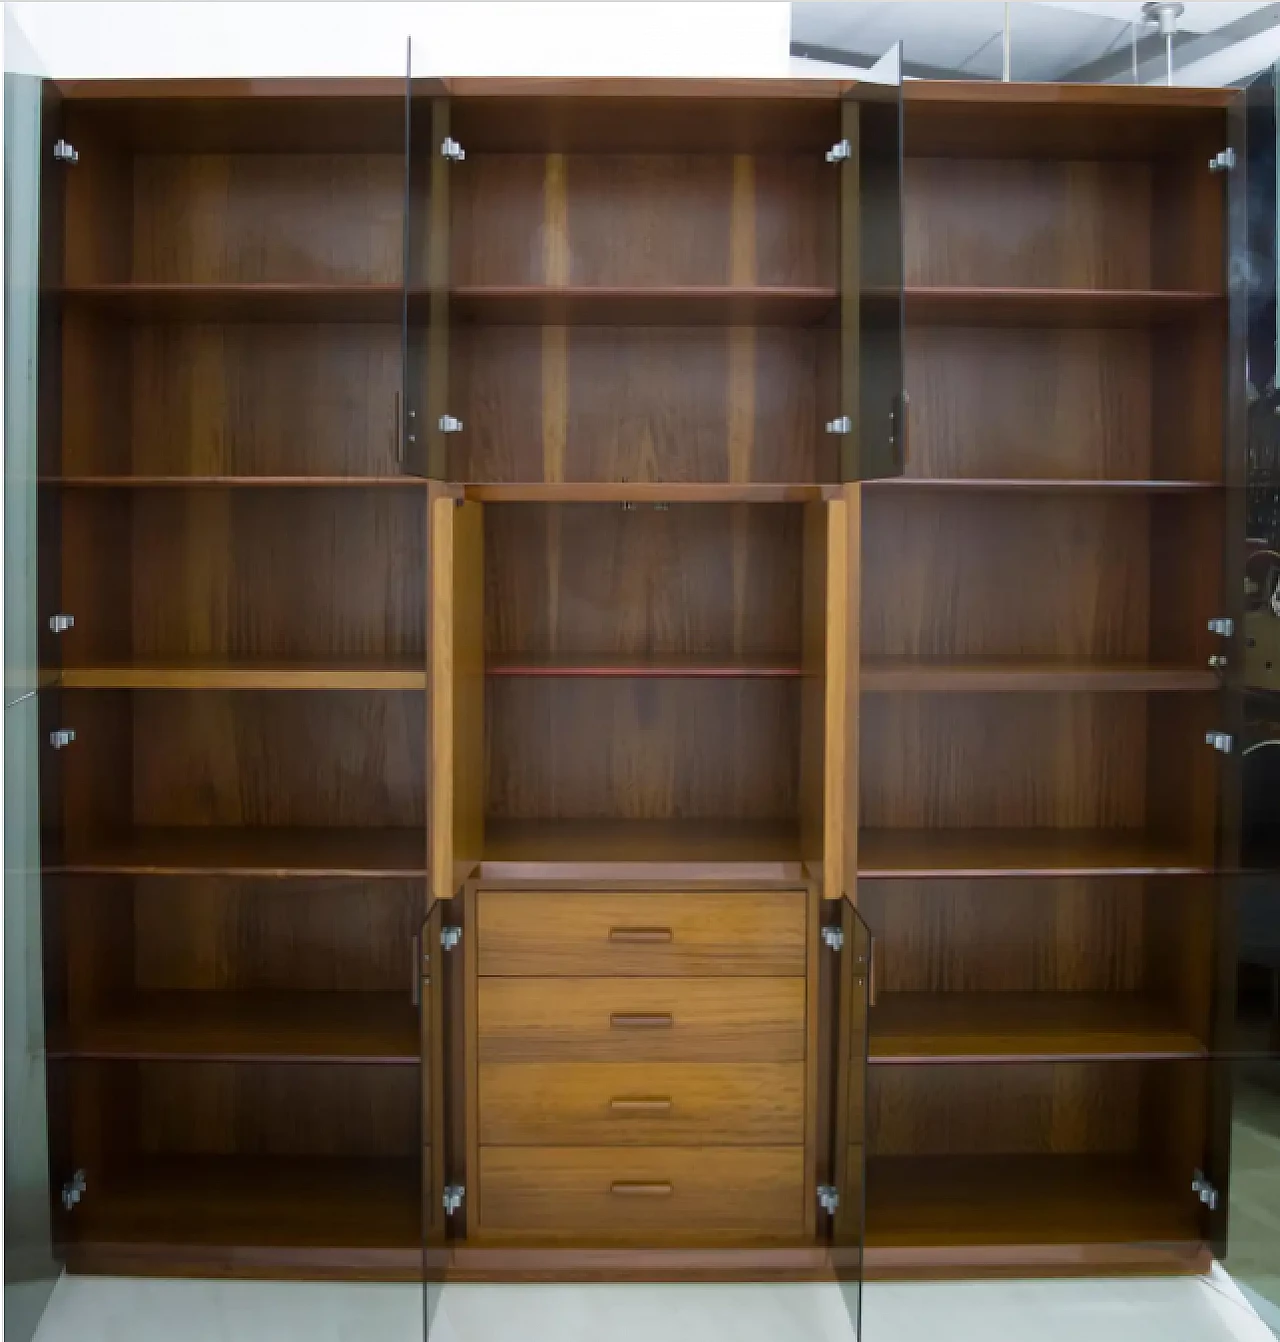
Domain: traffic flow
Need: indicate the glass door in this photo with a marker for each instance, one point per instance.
(427, 427)
(429, 953)
(872, 422)
(843, 1196)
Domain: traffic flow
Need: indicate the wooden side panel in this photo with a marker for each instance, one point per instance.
(468, 692)
(441, 682)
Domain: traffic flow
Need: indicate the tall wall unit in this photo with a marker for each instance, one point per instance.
(501, 709)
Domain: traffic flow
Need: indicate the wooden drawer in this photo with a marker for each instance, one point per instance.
(641, 1104)
(608, 933)
(641, 1020)
(656, 1193)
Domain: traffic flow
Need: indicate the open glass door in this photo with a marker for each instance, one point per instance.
(430, 956)
(426, 425)
(872, 421)
(843, 1197)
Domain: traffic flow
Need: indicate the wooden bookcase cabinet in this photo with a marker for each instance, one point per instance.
(639, 642)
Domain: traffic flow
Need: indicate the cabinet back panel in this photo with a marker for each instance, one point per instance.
(699, 403)
(1034, 223)
(222, 573)
(243, 219)
(1073, 761)
(210, 399)
(643, 219)
(707, 580)
(1047, 576)
(250, 936)
(641, 749)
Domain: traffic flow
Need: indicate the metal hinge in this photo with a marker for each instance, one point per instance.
(828, 1198)
(1219, 741)
(61, 738)
(1217, 662)
(1223, 161)
(65, 153)
(833, 937)
(839, 151)
(73, 1190)
(448, 424)
(842, 425)
(452, 1199)
(452, 150)
(1222, 625)
(61, 623)
(1204, 1190)
(450, 937)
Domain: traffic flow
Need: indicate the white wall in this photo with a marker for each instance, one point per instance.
(240, 40)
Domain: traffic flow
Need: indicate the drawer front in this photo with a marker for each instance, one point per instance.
(602, 934)
(641, 1020)
(641, 1104)
(645, 1192)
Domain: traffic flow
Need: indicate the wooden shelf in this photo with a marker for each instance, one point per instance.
(963, 306)
(616, 305)
(1040, 1027)
(236, 481)
(637, 667)
(213, 851)
(245, 676)
(923, 853)
(1017, 675)
(647, 492)
(1009, 1212)
(242, 302)
(585, 847)
(193, 1026)
(237, 1215)
(913, 484)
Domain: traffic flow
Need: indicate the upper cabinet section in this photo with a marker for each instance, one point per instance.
(640, 282)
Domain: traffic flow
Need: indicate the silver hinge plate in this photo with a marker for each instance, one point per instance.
(839, 151)
(1223, 161)
(65, 153)
(73, 1190)
(452, 1199)
(828, 1198)
(61, 623)
(448, 424)
(842, 425)
(452, 150)
(1221, 741)
(450, 937)
(1222, 626)
(61, 738)
(1204, 1190)
(833, 937)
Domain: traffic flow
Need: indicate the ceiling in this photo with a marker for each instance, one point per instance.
(1090, 41)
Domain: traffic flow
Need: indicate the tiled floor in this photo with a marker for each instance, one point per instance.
(86, 1309)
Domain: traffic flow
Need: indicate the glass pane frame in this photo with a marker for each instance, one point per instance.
(430, 957)
(872, 425)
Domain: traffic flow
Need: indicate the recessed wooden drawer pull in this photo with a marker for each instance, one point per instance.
(658, 1020)
(654, 1106)
(624, 1189)
(641, 936)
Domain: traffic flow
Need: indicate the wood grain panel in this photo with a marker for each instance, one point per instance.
(706, 580)
(995, 576)
(243, 574)
(662, 1193)
(262, 759)
(641, 1020)
(641, 1104)
(1003, 761)
(640, 219)
(1028, 222)
(1030, 403)
(620, 402)
(213, 218)
(627, 933)
(642, 749)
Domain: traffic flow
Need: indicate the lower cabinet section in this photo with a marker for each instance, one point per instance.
(598, 1194)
